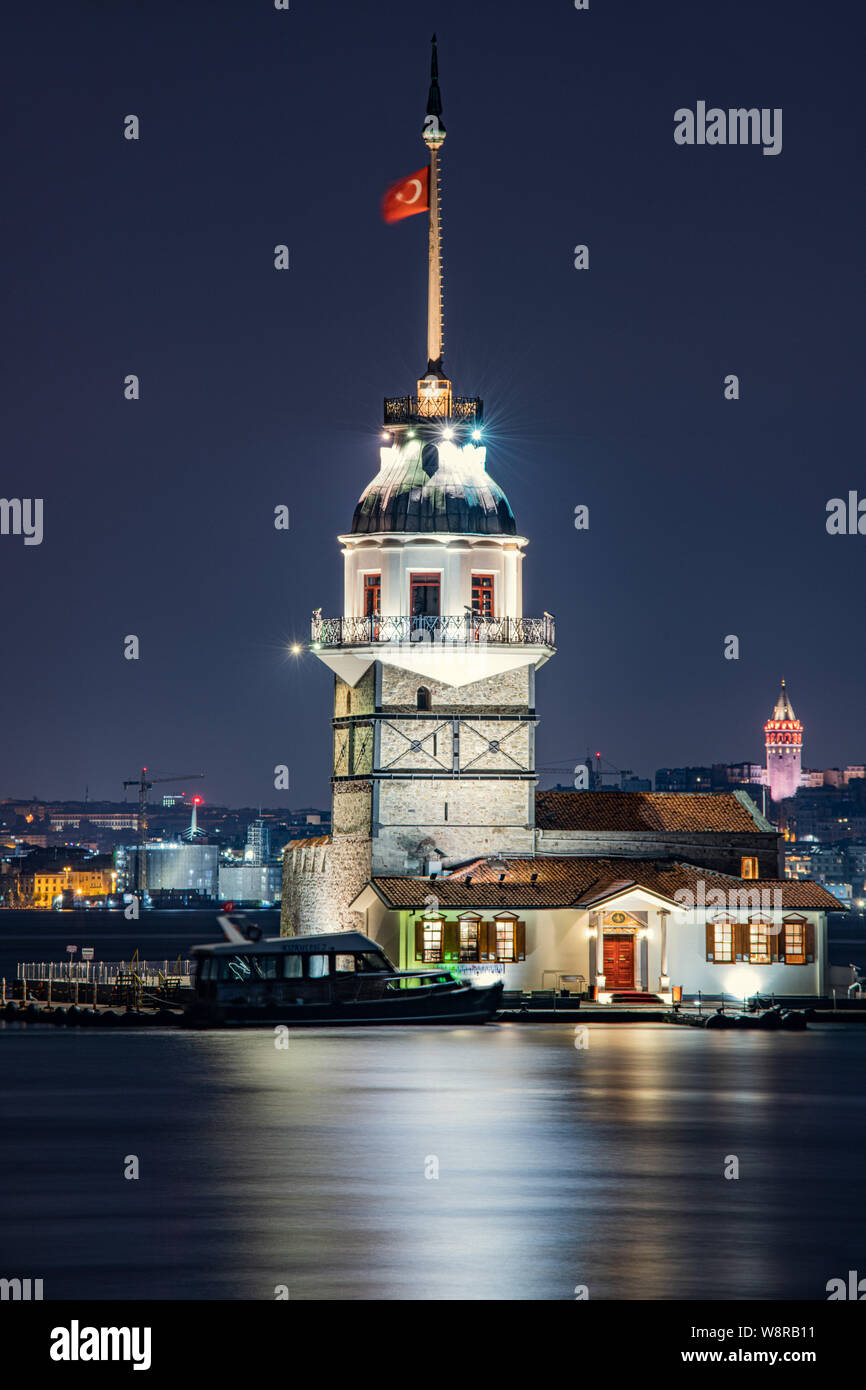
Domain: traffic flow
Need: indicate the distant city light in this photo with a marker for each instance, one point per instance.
(296, 647)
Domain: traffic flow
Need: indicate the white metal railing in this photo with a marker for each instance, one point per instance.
(150, 973)
(463, 629)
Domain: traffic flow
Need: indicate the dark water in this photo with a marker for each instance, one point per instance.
(556, 1166)
(305, 1167)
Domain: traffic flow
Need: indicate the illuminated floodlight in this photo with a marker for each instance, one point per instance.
(296, 648)
(476, 434)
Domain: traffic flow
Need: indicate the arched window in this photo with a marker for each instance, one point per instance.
(423, 697)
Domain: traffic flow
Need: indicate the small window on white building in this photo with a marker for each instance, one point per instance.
(760, 933)
(794, 937)
(723, 939)
(510, 939)
(469, 938)
(430, 940)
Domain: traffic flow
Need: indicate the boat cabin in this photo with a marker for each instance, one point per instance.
(343, 976)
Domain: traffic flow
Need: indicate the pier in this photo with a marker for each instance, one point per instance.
(135, 984)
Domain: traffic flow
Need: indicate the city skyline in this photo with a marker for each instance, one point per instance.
(547, 773)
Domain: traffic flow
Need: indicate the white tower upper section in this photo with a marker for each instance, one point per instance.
(433, 579)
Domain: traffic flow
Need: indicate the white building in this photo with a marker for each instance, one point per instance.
(610, 928)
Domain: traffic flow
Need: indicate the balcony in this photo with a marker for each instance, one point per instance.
(411, 410)
(460, 630)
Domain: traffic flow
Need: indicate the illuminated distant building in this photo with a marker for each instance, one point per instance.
(48, 885)
(783, 734)
(175, 866)
(258, 850)
(260, 884)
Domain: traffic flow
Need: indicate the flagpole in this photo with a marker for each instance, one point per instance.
(434, 272)
(434, 135)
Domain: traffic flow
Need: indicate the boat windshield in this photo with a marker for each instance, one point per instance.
(362, 963)
(371, 963)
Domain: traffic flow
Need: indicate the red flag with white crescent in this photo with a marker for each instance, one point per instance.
(407, 197)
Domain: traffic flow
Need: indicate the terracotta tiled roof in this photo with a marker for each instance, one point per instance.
(581, 882)
(668, 811)
(803, 892)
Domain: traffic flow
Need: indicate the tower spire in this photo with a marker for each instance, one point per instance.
(433, 136)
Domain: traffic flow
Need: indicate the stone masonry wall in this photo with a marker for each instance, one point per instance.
(318, 886)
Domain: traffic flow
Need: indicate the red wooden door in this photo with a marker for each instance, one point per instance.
(619, 962)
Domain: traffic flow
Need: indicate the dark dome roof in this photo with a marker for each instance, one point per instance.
(433, 487)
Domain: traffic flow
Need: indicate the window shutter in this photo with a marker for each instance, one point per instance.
(809, 937)
(773, 940)
(487, 940)
(520, 941)
(419, 940)
(451, 941)
(711, 941)
(780, 944)
(741, 940)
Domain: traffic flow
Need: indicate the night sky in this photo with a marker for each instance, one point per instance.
(258, 387)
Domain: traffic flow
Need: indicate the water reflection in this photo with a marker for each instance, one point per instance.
(557, 1166)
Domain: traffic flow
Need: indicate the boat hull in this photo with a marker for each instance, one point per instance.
(467, 1004)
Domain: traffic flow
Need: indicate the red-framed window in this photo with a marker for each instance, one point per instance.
(424, 593)
(372, 594)
(482, 595)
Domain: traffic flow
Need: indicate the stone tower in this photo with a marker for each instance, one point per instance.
(434, 662)
(783, 734)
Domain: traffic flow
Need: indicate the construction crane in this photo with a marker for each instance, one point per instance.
(144, 784)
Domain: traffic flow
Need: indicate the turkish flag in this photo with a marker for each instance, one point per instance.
(407, 197)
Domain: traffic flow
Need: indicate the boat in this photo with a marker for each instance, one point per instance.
(333, 978)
